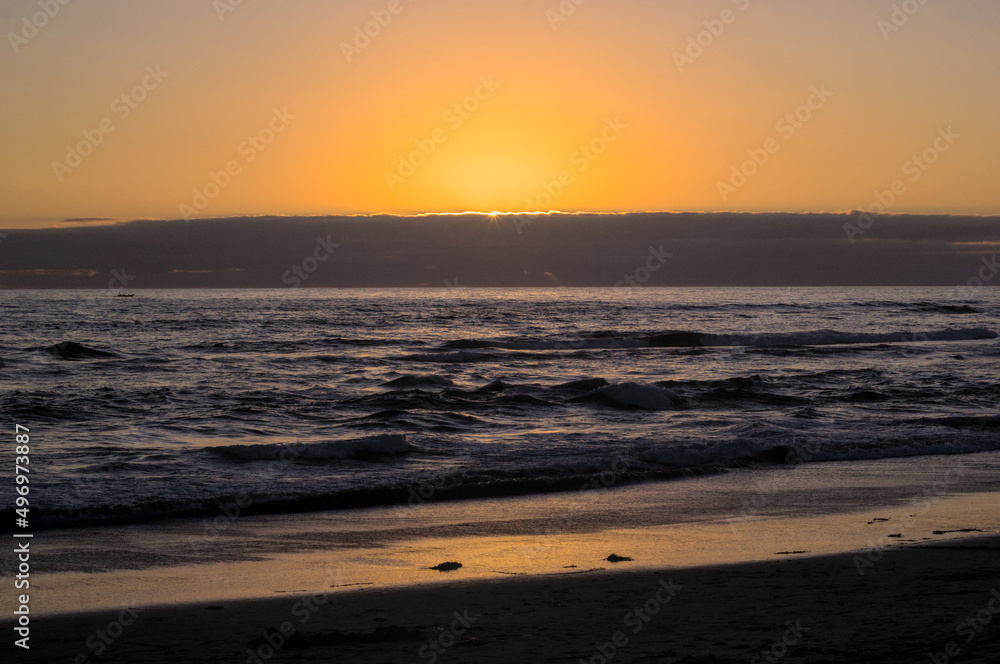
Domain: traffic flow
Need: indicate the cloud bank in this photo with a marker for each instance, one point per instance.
(655, 249)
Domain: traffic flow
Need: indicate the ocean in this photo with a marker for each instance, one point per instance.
(178, 403)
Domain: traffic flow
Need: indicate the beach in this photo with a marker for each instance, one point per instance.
(807, 610)
(881, 572)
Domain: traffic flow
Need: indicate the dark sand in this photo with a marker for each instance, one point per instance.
(908, 603)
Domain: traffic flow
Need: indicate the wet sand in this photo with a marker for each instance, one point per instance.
(907, 603)
(738, 517)
(832, 563)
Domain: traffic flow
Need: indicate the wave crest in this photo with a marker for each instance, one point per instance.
(816, 338)
(384, 445)
(637, 396)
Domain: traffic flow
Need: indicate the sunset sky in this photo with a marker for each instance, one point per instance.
(333, 113)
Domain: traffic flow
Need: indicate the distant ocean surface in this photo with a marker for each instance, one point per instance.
(174, 403)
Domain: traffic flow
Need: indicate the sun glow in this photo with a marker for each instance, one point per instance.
(481, 106)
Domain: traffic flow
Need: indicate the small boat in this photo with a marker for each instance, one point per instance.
(123, 294)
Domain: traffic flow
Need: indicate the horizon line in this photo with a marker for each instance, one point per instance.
(86, 222)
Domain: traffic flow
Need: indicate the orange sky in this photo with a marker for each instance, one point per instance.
(595, 112)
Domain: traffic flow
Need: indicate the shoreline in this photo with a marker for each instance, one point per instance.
(435, 490)
(906, 605)
(741, 517)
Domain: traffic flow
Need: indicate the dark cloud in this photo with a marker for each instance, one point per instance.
(720, 249)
